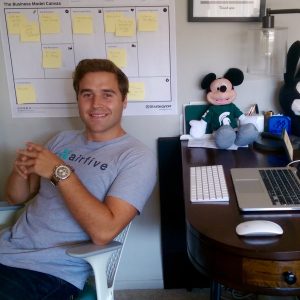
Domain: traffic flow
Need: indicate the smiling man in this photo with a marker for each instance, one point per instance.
(89, 185)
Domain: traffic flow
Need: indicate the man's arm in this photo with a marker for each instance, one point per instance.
(20, 186)
(102, 221)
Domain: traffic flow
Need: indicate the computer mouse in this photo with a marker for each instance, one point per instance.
(258, 228)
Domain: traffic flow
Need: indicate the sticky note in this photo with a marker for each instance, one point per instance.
(52, 58)
(117, 56)
(30, 32)
(15, 22)
(147, 21)
(125, 27)
(136, 91)
(82, 24)
(25, 93)
(50, 23)
(110, 19)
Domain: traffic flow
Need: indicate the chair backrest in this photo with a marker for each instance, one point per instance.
(113, 262)
(193, 112)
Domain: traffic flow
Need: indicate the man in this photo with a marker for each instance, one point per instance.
(88, 184)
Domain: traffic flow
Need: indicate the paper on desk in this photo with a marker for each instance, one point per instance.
(207, 141)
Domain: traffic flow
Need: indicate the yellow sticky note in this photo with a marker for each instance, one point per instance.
(147, 21)
(15, 22)
(82, 24)
(125, 27)
(52, 58)
(50, 23)
(30, 32)
(136, 91)
(110, 19)
(25, 93)
(117, 56)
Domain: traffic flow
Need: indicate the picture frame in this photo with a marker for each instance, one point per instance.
(226, 11)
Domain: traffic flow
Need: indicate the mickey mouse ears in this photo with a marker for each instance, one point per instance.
(234, 75)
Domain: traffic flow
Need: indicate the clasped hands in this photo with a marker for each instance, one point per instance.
(36, 159)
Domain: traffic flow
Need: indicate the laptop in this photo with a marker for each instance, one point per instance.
(256, 193)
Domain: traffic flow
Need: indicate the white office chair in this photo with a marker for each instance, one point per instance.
(104, 261)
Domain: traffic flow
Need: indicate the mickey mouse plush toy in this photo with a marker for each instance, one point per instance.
(289, 95)
(221, 115)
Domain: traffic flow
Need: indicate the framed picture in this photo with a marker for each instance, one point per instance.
(226, 10)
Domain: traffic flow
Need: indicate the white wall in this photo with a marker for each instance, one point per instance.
(201, 48)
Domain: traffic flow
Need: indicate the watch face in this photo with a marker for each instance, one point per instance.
(62, 172)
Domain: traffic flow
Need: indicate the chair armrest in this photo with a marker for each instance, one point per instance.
(4, 206)
(90, 249)
(98, 257)
(9, 213)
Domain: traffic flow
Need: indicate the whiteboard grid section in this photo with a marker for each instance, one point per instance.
(208, 184)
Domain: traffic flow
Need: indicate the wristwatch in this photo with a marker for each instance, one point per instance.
(61, 172)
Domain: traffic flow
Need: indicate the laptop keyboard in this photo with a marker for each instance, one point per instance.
(208, 184)
(282, 186)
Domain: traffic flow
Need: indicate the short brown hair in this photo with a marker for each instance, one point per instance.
(100, 65)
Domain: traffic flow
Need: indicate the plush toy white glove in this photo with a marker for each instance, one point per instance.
(296, 106)
(198, 128)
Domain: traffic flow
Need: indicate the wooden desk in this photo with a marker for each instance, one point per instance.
(258, 265)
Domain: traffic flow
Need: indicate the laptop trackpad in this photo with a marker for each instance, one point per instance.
(249, 186)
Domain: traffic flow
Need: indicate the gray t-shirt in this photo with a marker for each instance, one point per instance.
(122, 167)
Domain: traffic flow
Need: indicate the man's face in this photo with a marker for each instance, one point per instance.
(100, 106)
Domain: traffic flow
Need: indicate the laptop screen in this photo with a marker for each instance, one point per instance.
(287, 144)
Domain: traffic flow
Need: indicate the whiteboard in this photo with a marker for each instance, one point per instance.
(44, 40)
